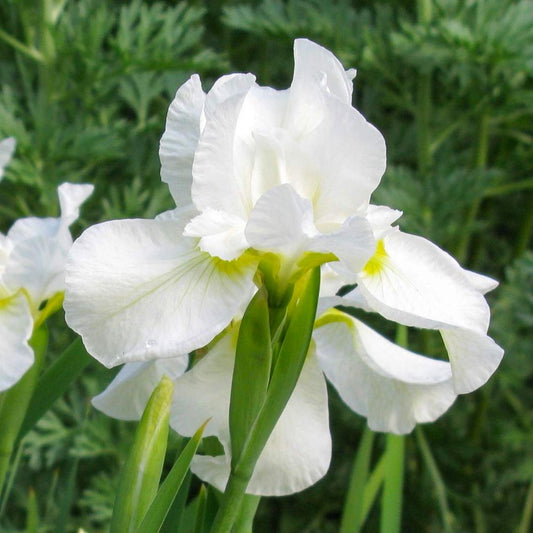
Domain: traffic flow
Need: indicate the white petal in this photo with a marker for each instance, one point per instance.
(353, 244)
(127, 395)
(180, 139)
(349, 156)
(281, 222)
(71, 196)
(218, 183)
(137, 290)
(414, 282)
(474, 358)
(227, 87)
(221, 234)
(392, 387)
(310, 58)
(298, 452)
(480, 282)
(380, 218)
(7, 148)
(16, 325)
(317, 74)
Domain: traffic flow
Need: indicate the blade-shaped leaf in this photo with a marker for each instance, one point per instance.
(54, 383)
(155, 516)
(141, 473)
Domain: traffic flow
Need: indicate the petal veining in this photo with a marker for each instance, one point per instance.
(138, 290)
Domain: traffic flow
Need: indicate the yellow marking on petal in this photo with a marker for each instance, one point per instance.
(376, 263)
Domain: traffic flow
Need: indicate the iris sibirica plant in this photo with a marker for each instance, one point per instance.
(273, 218)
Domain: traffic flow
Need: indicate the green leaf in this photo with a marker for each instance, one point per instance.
(141, 473)
(253, 358)
(55, 382)
(155, 516)
(199, 526)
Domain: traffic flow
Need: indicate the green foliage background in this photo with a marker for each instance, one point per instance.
(85, 86)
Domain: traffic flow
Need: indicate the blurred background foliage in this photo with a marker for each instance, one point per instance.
(85, 86)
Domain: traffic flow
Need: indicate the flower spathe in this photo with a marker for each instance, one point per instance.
(258, 173)
(32, 262)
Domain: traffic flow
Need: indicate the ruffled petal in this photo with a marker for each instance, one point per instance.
(349, 156)
(221, 234)
(474, 358)
(16, 326)
(180, 139)
(353, 243)
(391, 386)
(127, 395)
(7, 148)
(298, 452)
(137, 290)
(317, 74)
(218, 182)
(411, 281)
(281, 222)
(225, 88)
(310, 58)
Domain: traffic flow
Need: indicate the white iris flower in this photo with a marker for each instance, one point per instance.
(259, 173)
(32, 264)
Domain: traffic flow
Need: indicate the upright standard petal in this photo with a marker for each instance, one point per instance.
(71, 196)
(391, 386)
(349, 156)
(298, 451)
(7, 148)
(16, 326)
(136, 291)
(180, 139)
(127, 395)
(217, 183)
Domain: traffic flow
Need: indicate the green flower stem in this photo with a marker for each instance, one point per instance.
(438, 483)
(230, 507)
(287, 367)
(245, 520)
(527, 513)
(14, 403)
(352, 515)
(391, 503)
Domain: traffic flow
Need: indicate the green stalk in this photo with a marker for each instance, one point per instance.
(438, 483)
(14, 403)
(391, 502)
(287, 368)
(527, 513)
(230, 507)
(352, 515)
(245, 520)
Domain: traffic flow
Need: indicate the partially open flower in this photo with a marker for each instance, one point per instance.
(32, 265)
